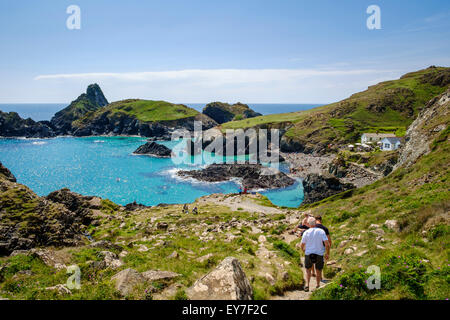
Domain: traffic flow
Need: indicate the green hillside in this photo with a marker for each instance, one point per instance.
(143, 110)
(389, 106)
(413, 259)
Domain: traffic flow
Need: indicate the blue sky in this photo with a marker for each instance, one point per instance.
(199, 51)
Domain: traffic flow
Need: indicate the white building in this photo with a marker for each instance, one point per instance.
(388, 144)
(375, 137)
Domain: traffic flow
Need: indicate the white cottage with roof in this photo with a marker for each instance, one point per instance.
(375, 137)
(388, 144)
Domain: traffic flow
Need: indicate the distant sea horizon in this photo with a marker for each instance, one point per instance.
(45, 111)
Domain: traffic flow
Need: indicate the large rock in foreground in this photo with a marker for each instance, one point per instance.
(253, 176)
(126, 280)
(154, 149)
(227, 282)
(317, 187)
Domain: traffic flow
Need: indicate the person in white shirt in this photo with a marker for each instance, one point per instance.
(315, 245)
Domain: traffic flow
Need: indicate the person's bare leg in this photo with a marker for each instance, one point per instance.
(318, 277)
(308, 276)
(313, 270)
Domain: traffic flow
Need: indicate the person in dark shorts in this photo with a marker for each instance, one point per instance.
(321, 226)
(315, 246)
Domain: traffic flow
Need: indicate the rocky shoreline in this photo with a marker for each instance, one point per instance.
(252, 176)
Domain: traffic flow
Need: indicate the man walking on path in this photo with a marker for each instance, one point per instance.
(321, 226)
(315, 245)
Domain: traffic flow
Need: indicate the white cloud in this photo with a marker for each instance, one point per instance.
(213, 76)
(205, 85)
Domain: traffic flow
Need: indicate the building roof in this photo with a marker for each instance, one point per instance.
(393, 140)
(379, 135)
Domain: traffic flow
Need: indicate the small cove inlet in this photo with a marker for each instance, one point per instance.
(106, 167)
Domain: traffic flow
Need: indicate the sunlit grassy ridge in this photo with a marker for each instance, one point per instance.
(389, 106)
(143, 110)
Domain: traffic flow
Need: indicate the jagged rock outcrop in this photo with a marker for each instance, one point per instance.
(81, 205)
(226, 282)
(28, 221)
(12, 125)
(154, 149)
(90, 101)
(224, 112)
(252, 176)
(317, 187)
(429, 124)
(6, 173)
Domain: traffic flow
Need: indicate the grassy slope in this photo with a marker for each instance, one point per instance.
(97, 284)
(418, 197)
(143, 110)
(344, 121)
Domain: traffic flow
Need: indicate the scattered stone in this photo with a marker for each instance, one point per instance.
(361, 253)
(343, 243)
(226, 282)
(61, 289)
(378, 232)
(104, 244)
(380, 247)
(173, 255)
(143, 248)
(126, 280)
(162, 226)
(123, 254)
(348, 251)
(262, 239)
(205, 257)
(392, 225)
(154, 275)
(374, 226)
(111, 259)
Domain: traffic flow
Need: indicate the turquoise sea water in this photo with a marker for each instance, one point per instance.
(105, 167)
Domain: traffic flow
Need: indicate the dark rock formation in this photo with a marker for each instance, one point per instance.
(107, 123)
(6, 173)
(223, 112)
(154, 149)
(253, 176)
(81, 205)
(90, 101)
(317, 187)
(28, 221)
(12, 125)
